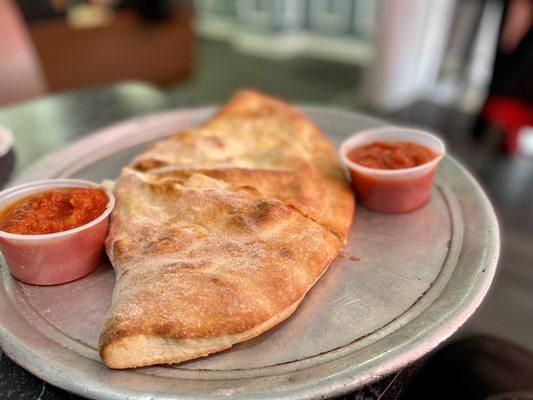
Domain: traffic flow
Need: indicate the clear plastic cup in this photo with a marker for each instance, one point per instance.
(54, 258)
(392, 190)
(6, 140)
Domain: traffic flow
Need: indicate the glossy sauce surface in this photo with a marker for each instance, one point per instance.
(53, 211)
(391, 155)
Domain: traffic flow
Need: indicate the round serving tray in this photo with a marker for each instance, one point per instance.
(402, 284)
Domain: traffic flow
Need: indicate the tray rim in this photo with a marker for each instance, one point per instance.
(342, 383)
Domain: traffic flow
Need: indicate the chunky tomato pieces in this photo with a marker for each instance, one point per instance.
(53, 211)
(391, 155)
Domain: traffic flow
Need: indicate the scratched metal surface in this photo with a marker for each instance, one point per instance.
(403, 284)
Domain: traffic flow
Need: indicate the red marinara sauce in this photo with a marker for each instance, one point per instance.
(391, 155)
(53, 211)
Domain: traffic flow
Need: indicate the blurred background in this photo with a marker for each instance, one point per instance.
(462, 68)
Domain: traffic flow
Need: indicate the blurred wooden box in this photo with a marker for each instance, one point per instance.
(127, 48)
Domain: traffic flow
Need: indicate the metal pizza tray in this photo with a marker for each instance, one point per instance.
(402, 284)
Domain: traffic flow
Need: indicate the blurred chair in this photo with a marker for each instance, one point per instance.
(20, 72)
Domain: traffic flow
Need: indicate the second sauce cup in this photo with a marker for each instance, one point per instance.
(392, 190)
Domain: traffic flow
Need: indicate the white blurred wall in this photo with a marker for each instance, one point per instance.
(441, 50)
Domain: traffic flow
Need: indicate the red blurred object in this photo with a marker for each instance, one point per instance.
(510, 115)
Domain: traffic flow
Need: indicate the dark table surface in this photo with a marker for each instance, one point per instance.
(48, 124)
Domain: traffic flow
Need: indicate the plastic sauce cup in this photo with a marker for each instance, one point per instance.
(54, 258)
(392, 190)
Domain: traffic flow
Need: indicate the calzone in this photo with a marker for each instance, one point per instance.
(220, 231)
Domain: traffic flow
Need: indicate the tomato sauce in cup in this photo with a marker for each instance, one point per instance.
(392, 169)
(391, 155)
(53, 211)
(53, 231)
